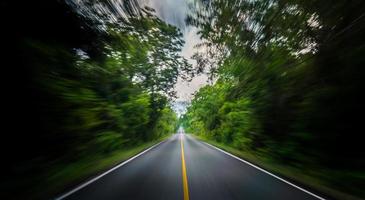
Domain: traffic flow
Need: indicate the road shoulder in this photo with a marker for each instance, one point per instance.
(289, 174)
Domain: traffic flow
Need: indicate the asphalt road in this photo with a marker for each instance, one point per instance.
(210, 174)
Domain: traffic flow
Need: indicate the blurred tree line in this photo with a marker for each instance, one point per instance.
(83, 78)
(288, 82)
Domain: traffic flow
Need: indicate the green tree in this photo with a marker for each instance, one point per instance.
(293, 74)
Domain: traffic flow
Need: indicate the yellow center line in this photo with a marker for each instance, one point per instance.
(184, 176)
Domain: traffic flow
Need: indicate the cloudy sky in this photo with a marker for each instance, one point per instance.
(174, 12)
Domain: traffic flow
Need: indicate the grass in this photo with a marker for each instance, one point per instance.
(306, 179)
(62, 178)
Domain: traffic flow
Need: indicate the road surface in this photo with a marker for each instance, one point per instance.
(185, 168)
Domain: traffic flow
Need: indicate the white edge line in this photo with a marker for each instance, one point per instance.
(273, 175)
(105, 173)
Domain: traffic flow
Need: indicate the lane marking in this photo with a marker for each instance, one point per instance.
(105, 173)
(183, 166)
(273, 175)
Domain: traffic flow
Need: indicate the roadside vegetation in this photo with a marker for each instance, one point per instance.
(287, 79)
(92, 88)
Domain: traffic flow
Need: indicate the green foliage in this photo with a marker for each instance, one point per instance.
(292, 76)
(91, 96)
(166, 124)
(114, 99)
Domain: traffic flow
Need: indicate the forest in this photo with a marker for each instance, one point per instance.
(87, 84)
(86, 89)
(287, 84)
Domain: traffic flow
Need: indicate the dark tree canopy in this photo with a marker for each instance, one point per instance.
(84, 86)
(289, 80)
